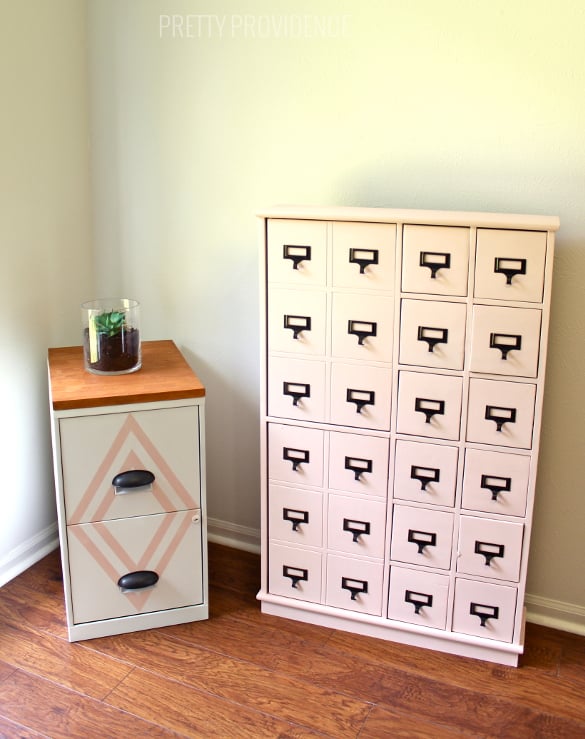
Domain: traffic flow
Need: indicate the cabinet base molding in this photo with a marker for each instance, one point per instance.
(28, 553)
(394, 631)
(233, 535)
(555, 614)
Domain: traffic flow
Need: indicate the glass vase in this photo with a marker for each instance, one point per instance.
(111, 336)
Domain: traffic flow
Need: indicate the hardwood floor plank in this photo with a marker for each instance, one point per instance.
(194, 713)
(55, 712)
(232, 679)
(5, 670)
(67, 664)
(240, 573)
(14, 730)
(23, 607)
(383, 723)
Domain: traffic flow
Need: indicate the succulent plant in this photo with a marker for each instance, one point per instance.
(110, 323)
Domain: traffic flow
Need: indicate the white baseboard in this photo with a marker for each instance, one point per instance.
(555, 614)
(233, 535)
(26, 554)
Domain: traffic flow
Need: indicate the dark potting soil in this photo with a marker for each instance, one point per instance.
(115, 353)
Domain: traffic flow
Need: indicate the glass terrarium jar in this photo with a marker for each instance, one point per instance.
(111, 336)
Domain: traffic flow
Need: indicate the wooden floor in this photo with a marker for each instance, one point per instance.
(244, 674)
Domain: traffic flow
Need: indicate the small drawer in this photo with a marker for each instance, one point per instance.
(295, 455)
(98, 449)
(435, 260)
(490, 548)
(297, 252)
(354, 584)
(429, 405)
(358, 464)
(421, 536)
(296, 389)
(432, 333)
(425, 473)
(167, 545)
(506, 341)
(495, 482)
(510, 264)
(418, 597)
(362, 327)
(483, 609)
(356, 526)
(294, 573)
(296, 516)
(297, 321)
(363, 255)
(360, 396)
(501, 413)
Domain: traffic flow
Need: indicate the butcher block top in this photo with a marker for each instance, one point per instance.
(164, 375)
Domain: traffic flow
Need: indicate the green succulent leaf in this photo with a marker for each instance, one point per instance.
(110, 323)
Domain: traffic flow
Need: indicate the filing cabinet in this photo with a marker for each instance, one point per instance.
(403, 364)
(129, 468)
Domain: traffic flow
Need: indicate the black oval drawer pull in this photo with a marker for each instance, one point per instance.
(435, 260)
(296, 390)
(356, 528)
(418, 600)
(500, 415)
(422, 539)
(355, 587)
(295, 457)
(433, 336)
(484, 612)
(361, 398)
(505, 343)
(496, 485)
(425, 475)
(296, 574)
(429, 407)
(509, 267)
(132, 479)
(358, 466)
(297, 324)
(362, 329)
(489, 551)
(363, 257)
(297, 254)
(138, 580)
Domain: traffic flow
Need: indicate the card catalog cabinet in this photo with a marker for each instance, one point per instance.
(130, 478)
(403, 361)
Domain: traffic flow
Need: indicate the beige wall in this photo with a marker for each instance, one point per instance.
(45, 242)
(450, 105)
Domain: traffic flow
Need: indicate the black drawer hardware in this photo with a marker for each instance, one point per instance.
(296, 390)
(356, 528)
(422, 539)
(489, 551)
(295, 517)
(496, 485)
(484, 612)
(425, 475)
(429, 407)
(418, 600)
(297, 324)
(296, 457)
(509, 267)
(137, 580)
(435, 260)
(298, 254)
(355, 587)
(362, 329)
(433, 336)
(132, 480)
(296, 574)
(357, 466)
(505, 343)
(500, 415)
(363, 257)
(361, 398)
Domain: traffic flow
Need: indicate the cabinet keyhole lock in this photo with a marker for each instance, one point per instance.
(196, 517)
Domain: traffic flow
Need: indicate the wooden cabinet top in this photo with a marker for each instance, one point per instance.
(164, 375)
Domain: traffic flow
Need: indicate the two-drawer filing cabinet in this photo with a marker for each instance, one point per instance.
(129, 461)
(403, 363)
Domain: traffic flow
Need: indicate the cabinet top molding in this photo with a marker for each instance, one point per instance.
(411, 216)
(165, 375)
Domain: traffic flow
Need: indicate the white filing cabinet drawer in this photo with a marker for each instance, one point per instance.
(429, 405)
(356, 526)
(418, 597)
(484, 609)
(295, 572)
(425, 473)
(296, 389)
(358, 463)
(363, 255)
(432, 333)
(495, 482)
(362, 327)
(490, 548)
(501, 413)
(295, 516)
(422, 536)
(297, 321)
(354, 584)
(295, 454)
(360, 396)
(297, 252)
(435, 260)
